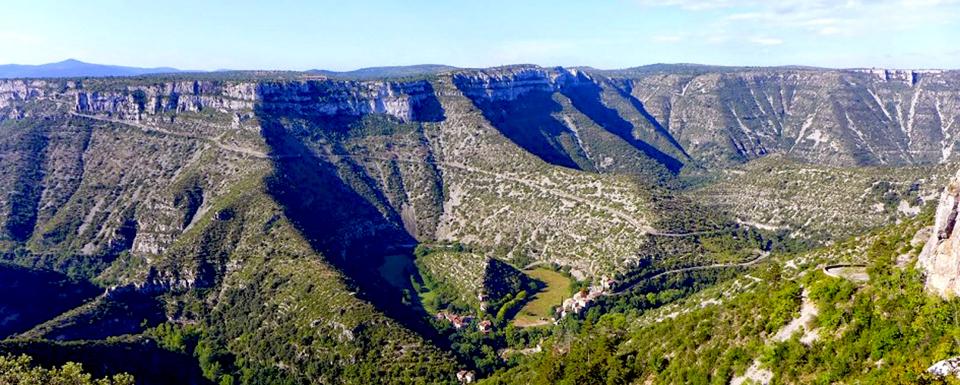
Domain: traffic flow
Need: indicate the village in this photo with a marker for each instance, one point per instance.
(461, 322)
(576, 305)
(584, 298)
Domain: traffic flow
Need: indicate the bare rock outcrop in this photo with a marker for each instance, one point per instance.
(940, 257)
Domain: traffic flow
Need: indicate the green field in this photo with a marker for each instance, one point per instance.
(537, 311)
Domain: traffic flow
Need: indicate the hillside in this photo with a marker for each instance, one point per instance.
(300, 228)
(784, 321)
(823, 203)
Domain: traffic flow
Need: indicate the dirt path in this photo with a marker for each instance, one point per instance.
(214, 141)
(756, 374)
(808, 310)
(532, 265)
(624, 215)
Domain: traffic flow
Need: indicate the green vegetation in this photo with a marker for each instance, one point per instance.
(19, 370)
(150, 364)
(820, 203)
(271, 244)
(454, 277)
(887, 330)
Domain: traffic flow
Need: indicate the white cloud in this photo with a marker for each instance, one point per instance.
(732, 24)
(717, 38)
(828, 31)
(824, 17)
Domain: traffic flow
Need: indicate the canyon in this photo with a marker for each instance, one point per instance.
(239, 199)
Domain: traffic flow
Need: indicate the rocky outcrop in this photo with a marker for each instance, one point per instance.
(910, 77)
(504, 84)
(828, 117)
(510, 83)
(16, 95)
(948, 367)
(407, 101)
(20, 90)
(940, 258)
(571, 118)
(185, 96)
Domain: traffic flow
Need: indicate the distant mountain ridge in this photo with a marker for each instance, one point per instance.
(386, 72)
(76, 68)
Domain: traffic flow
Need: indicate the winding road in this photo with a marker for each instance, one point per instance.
(214, 141)
(625, 289)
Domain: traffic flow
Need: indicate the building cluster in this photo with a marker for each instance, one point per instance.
(485, 326)
(583, 298)
(460, 322)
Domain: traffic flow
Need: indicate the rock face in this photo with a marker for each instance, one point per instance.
(424, 158)
(831, 117)
(948, 367)
(571, 118)
(185, 96)
(940, 257)
(407, 101)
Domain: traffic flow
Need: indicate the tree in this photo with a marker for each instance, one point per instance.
(18, 370)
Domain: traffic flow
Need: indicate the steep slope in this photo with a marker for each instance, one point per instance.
(172, 203)
(787, 320)
(20, 312)
(270, 223)
(431, 167)
(195, 193)
(560, 116)
(724, 116)
(939, 258)
(822, 203)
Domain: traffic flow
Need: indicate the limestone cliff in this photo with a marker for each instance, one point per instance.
(724, 116)
(940, 257)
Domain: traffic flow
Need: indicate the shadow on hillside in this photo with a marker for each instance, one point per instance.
(147, 362)
(585, 96)
(22, 290)
(627, 93)
(337, 207)
(528, 122)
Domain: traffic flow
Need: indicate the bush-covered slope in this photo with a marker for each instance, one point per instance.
(785, 322)
(822, 203)
(263, 228)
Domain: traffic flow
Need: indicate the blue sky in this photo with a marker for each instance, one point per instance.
(341, 35)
